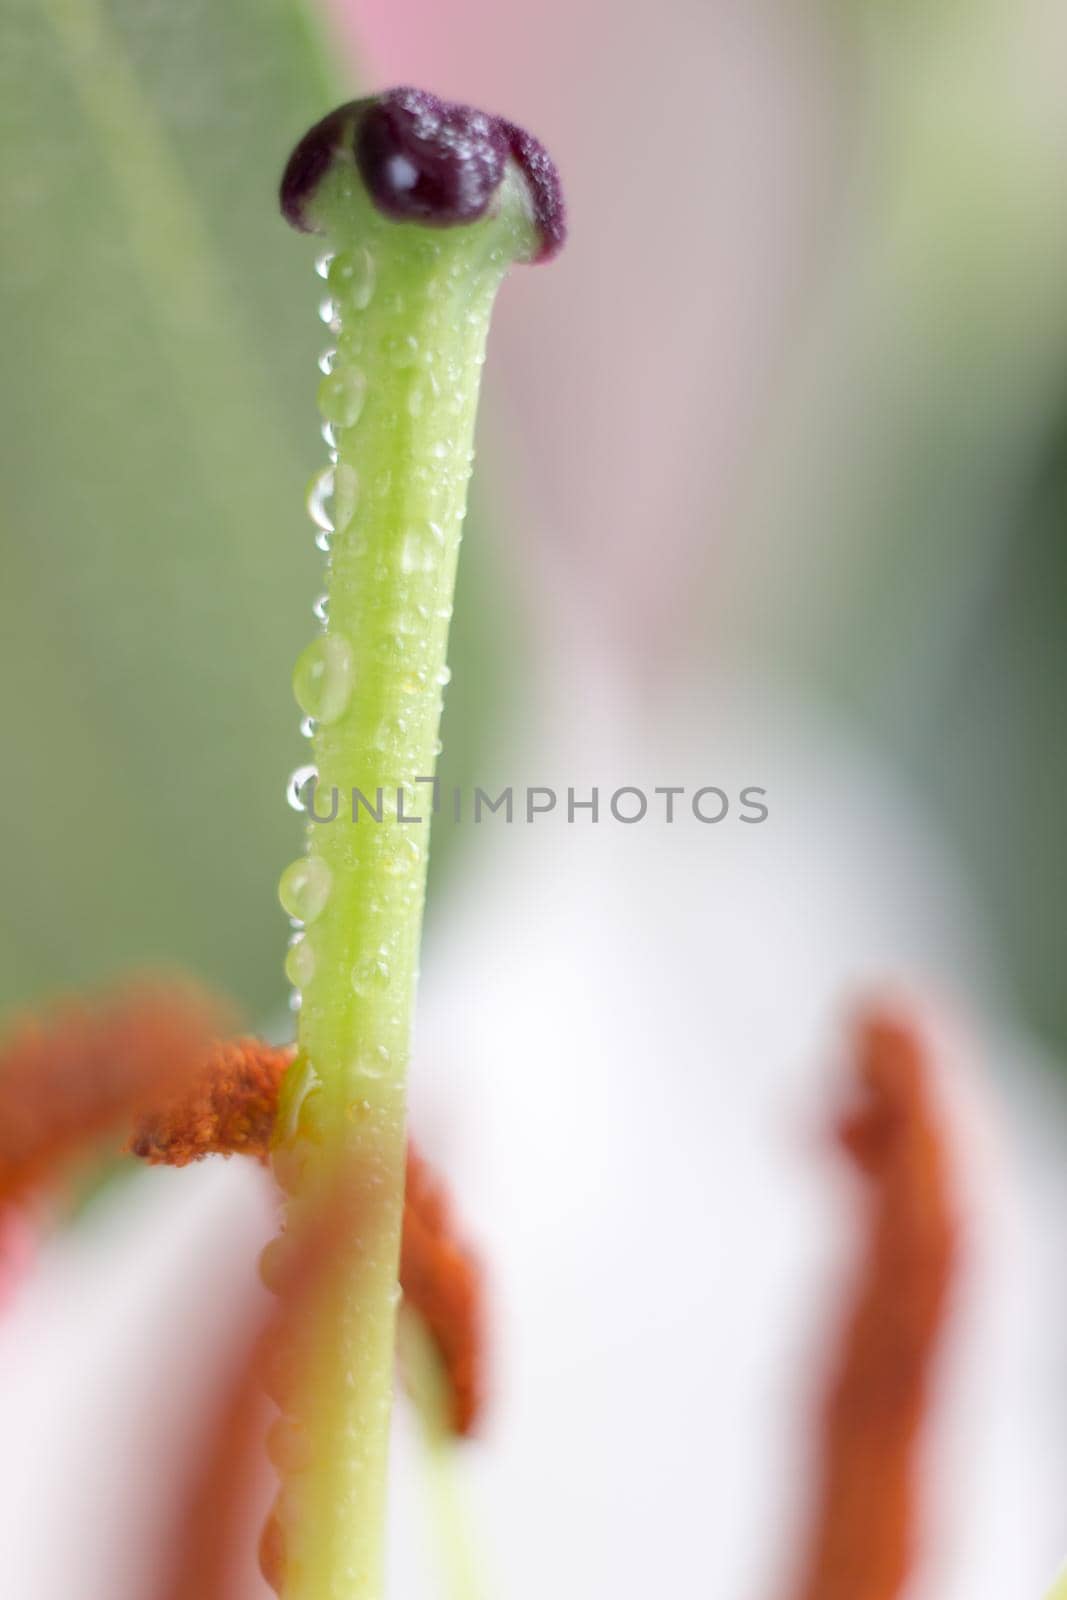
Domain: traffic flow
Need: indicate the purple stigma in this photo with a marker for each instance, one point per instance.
(546, 191)
(309, 164)
(426, 160)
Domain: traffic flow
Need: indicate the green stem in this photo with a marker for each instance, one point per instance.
(411, 309)
(461, 1568)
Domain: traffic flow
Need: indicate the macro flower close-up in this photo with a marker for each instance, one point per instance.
(533, 1053)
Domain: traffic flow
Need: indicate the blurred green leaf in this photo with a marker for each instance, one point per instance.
(158, 432)
(156, 438)
(996, 743)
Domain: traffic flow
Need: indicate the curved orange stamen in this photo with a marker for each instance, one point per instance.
(442, 1281)
(228, 1108)
(72, 1078)
(865, 1525)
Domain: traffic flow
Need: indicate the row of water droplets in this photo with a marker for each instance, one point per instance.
(324, 676)
(326, 669)
(323, 681)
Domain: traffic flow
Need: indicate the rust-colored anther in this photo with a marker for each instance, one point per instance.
(443, 1283)
(151, 1056)
(213, 1517)
(70, 1079)
(227, 1108)
(864, 1535)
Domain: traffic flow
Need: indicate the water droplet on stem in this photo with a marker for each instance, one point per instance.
(323, 678)
(353, 276)
(299, 780)
(341, 395)
(304, 888)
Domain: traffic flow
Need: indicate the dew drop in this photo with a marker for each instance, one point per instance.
(328, 313)
(444, 677)
(326, 360)
(299, 779)
(332, 499)
(296, 1000)
(319, 495)
(323, 677)
(304, 888)
(371, 975)
(300, 963)
(300, 1084)
(308, 727)
(375, 1066)
(353, 275)
(328, 435)
(341, 396)
(323, 262)
(321, 609)
(345, 496)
